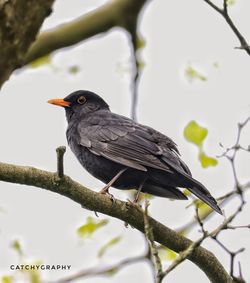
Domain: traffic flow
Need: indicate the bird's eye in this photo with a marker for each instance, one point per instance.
(81, 100)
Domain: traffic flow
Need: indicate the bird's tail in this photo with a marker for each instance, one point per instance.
(194, 186)
(202, 193)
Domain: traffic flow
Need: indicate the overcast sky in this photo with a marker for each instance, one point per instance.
(177, 34)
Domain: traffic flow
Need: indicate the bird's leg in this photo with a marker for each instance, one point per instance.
(105, 190)
(135, 201)
(138, 193)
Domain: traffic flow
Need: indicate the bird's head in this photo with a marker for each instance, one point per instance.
(80, 102)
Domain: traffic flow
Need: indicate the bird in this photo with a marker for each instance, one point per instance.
(124, 154)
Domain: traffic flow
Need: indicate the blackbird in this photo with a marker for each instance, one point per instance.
(125, 154)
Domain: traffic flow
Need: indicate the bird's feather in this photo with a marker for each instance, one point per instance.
(194, 186)
(125, 141)
(135, 146)
(169, 192)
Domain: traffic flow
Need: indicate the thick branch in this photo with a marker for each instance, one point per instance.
(19, 23)
(121, 210)
(121, 13)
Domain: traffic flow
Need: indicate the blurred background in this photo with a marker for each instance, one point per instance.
(190, 70)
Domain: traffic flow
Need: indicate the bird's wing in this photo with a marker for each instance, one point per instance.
(121, 140)
(136, 146)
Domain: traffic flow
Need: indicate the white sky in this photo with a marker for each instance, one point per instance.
(177, 33)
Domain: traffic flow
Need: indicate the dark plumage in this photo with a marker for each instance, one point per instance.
(106, 143)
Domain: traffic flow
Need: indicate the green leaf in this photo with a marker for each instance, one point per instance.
(231, 2)
(192, 74)
(203, 209)
(166, 254)
(7, 279)
(216, 65)
(133, 193)
(144, 196)
(195, 133)
(207, 161)
(108, 245)
(41, 61)
(17, 247)
(141, 64)
(187, 193)
(112, 271)
(90, 227)
(34, 276)
(74, 69)
(140, 42)
(2, 210)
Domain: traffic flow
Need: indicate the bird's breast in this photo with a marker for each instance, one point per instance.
(97, 166)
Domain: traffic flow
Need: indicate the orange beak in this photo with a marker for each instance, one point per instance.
(59, 102)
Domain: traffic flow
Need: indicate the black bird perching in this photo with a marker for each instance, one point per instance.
(125, 154)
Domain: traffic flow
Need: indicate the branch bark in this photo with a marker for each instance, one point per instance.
(128, 213)
(20, 22)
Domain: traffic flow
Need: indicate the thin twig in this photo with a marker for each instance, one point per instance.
(94, 271)
(132, 29)
(152, 246)
(231, 154)
(238, 227)
(200, 221)
(232, 255)
(223, 200)
(216, 8)
(185, 254)
(225, 15)
(225, 6)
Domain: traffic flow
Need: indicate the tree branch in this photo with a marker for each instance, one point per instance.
(60, 151)
(121, 210)
(115, 13)
(156, 261)
(225, 15)
(132, 28)
(19, 23)
(238, 190)
(184, 255)
(94, 271)
(204, 215)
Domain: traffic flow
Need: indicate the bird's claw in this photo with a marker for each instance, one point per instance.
(104, 191)
(133, 203)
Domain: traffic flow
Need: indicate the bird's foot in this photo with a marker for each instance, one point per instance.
(105, 191)
(134, 203)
